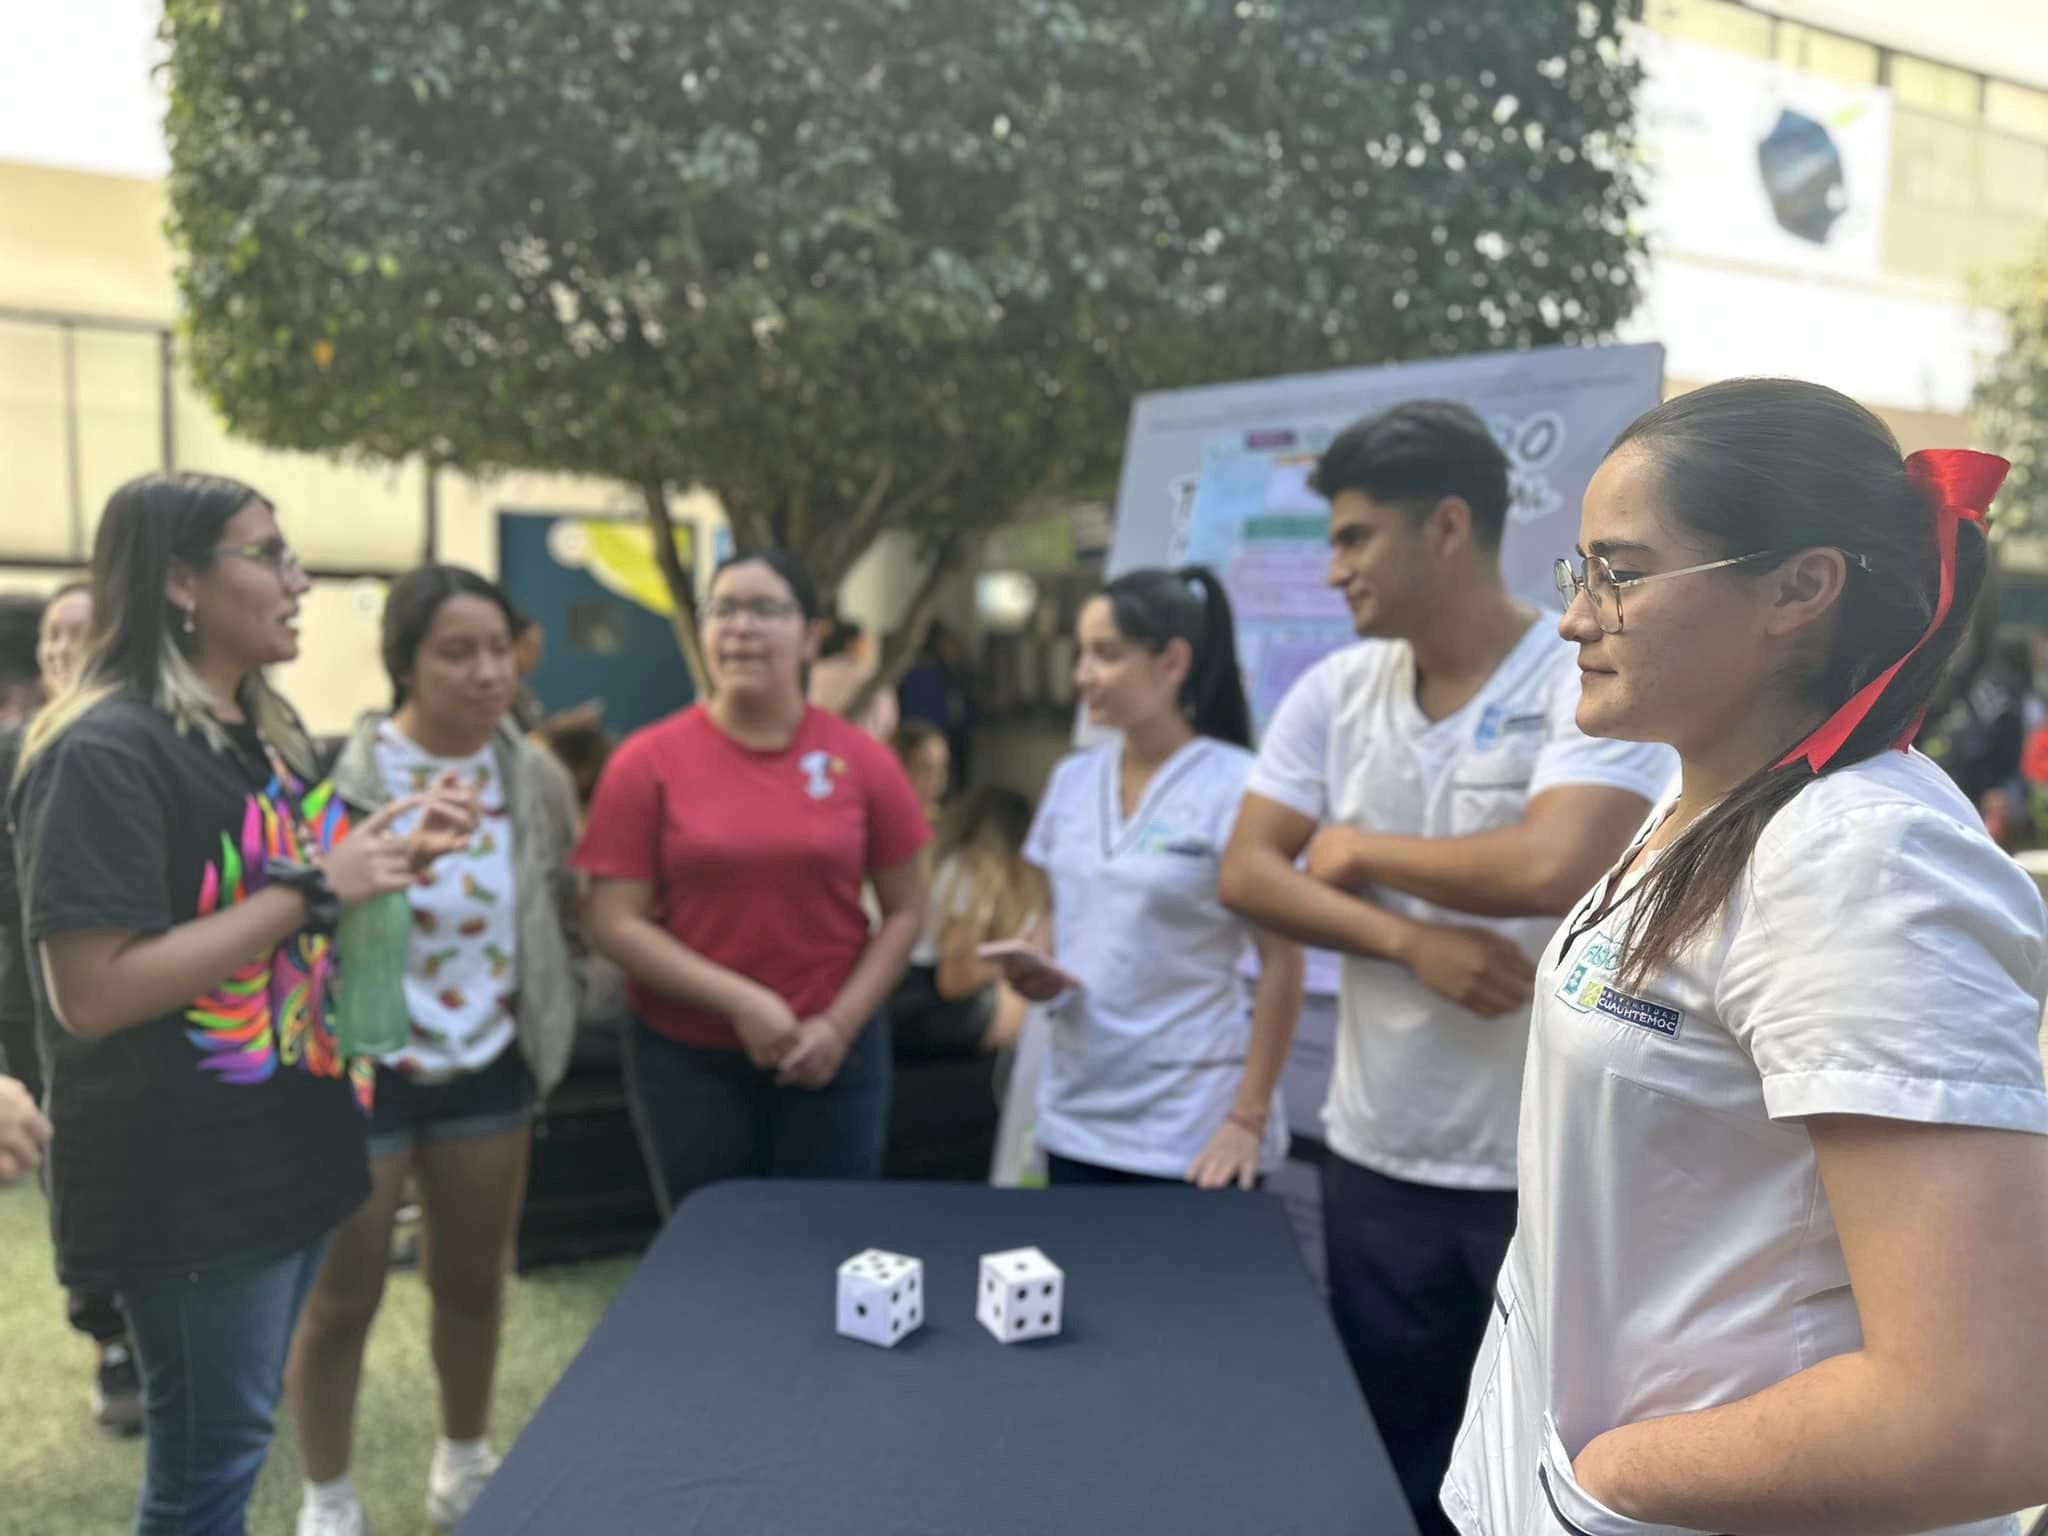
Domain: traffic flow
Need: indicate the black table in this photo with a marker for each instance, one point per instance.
(1198, 1387)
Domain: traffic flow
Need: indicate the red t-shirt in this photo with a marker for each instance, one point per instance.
(756, 858)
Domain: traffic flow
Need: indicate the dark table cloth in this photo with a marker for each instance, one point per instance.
(1198, 1386)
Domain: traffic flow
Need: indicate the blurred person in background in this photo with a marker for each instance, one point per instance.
(580, 743)
(20, 687)
(921, 749)
(1978, 734)
(58, 640)
(529, 645)
(491, 1003)
(935, 690)
(728, 848)
(60, 645)
(846, 662)
(951, 1002)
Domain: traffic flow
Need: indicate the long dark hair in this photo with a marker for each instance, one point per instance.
(1775, 464)
(409, 612)
(137, 643)
(1155, 607)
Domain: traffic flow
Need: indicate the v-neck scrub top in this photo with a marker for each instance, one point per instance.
(1879, 957)
(1422, 1089)
(1147, 1055)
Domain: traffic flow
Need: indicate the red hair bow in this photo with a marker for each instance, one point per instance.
(1957, 485)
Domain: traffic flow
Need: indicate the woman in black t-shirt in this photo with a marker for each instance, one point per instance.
(181, 880)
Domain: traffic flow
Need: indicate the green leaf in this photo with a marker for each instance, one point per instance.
(791, 250)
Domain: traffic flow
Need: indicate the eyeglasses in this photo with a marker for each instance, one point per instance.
(762, 610)
(1603, 589)
(282, 562)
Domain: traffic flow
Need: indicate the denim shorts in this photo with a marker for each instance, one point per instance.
(404, 1113)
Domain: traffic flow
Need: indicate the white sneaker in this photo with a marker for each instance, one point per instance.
(344, 1519)
(452, 1490)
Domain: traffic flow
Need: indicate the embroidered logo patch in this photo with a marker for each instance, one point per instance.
(1587, 988)
(1156, 838)
(1640, 1012)
(1583, 983)
(1496, 724)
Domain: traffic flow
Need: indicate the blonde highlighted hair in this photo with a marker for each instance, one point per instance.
(136, 646)
(986, 890)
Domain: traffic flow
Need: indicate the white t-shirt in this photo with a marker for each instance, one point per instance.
(462, 964)
(1423, 1089)
(1147, 1055)
(1676, 1250)
(950, 896)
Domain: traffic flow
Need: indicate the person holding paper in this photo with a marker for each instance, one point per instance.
(1162, 1066)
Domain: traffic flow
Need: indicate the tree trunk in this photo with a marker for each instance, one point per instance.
(953, 553)
(682, 586)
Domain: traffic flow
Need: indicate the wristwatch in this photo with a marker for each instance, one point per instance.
(323, 907)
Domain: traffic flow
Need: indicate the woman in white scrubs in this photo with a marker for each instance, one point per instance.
(1163, 1064)
(1783, 1236)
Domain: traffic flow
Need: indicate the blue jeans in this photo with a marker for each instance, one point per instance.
(705, 1115)
(212, 1350)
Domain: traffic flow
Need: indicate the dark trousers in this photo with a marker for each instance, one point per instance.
(1066, 1170)
(1411, 1272)
(704, 1115)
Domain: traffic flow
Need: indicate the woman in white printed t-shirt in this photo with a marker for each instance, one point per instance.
(492, 1008)
(1162, 1065)
(1784, 1201)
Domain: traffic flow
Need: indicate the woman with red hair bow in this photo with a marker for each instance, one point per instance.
(1784, 1138)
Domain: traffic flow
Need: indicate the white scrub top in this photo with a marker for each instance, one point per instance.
(1676, 1251)
(1147, 1055)
(1423, 1089)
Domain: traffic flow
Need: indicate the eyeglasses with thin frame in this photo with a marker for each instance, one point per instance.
(1603, 588)
(279, 557)
(761, 610)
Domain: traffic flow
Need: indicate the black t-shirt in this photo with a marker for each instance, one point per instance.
(230, 1130)
(17, 1003)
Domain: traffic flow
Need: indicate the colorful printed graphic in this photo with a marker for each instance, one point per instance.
(273, 1011)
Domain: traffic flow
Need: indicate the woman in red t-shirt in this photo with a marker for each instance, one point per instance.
(729, 845)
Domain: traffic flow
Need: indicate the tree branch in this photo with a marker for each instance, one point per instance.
(682, 587)
(953, 553)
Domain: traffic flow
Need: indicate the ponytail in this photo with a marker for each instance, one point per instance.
(1214, 692)
(1771, 464)
(1155, 607)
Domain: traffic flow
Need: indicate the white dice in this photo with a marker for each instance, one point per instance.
(1019, 1295)
(881, 1297)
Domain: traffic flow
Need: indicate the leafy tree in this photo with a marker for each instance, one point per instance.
(2011, 401)
(865, 264)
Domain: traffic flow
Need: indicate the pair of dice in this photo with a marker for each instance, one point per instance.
(1017, 1296)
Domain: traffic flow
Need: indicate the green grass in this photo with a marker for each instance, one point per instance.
(60, 1476)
